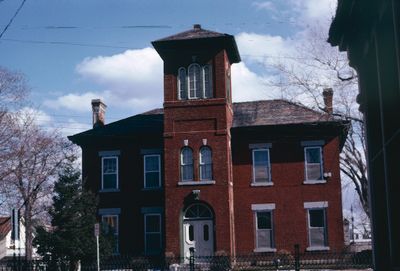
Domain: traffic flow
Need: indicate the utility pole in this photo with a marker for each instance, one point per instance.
(352, 224)
(97, 233)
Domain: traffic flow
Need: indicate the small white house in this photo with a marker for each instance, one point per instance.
(9, 247)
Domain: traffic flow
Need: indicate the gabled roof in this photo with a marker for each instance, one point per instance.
(245, 114)
(5, 226)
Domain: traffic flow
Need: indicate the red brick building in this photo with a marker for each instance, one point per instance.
(207, 173)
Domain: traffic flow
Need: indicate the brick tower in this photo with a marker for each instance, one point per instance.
(197, 142)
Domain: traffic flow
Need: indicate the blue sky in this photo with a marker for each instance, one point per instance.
(72, 50)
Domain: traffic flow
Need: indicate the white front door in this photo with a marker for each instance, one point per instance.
(199, 235)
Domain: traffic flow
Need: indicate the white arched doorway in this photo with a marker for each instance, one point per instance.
(197, 231)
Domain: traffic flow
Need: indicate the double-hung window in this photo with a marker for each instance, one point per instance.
(152, 233)
(186, 164)
(110, 226)
(313, 163)
(264, 230)
(205, 162)
(317, 225)
(152, 171)
(195, 82)
(182, 84)
(261, 166)
(109, 167)
(207, 82)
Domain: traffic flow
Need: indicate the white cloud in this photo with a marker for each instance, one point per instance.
(260, 48)
(267, 5)
(71, 126)
(40, 117)
(249, 86)
(74, 102)
(130, 80)
(133, 73)
(316, 9)
(308, 12)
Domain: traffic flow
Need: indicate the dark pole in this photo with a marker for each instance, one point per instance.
(191, 259)
(296, 257)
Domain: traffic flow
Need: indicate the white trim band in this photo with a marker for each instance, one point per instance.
(260, 146)
(310, 143)
(196, 182)
(315, 204)
(263, 206)
(109, 211)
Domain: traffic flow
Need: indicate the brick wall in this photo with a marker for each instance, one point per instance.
(288, 192)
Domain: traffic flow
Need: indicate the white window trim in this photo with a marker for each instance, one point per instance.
(144, 170)
(145, 231)
(208, 182)
(316, 205)
(311, 181)
(188, 81)
(182, 165)
(253, 182)
(319, 205)
(201, 163)
(263, 207)
(204, 80)
(269, 207)
(179, 83)
(102, 174)
(116, 228)
(201, 79)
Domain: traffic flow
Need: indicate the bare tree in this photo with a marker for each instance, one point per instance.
(30, 156)
(13, 93)
(34, 160)
(301, 77)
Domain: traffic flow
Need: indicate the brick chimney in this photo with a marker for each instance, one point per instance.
(328, 100)
(99, 112)
(197, 27)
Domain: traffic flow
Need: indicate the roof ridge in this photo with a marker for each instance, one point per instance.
(196, 29)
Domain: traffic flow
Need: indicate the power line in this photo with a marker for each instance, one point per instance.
(12, 18)
(72, 27)
(131, 48)
(69, 43)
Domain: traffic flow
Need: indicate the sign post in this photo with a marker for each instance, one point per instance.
(97, 233)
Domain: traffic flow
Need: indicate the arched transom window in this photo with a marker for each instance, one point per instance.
(196, 83)
(198, 211)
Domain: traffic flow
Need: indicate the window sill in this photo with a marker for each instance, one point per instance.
(152, 188)
(196, 182)
(109, 190)
(265, 249)
(317, 248)
(262, 184)
(314, 181)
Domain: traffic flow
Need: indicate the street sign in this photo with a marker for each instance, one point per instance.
(96, 229)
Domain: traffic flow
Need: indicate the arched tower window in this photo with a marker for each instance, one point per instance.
(195, 81)
(182, 84)
(207, 79)
(186, 164)
(205, 163)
